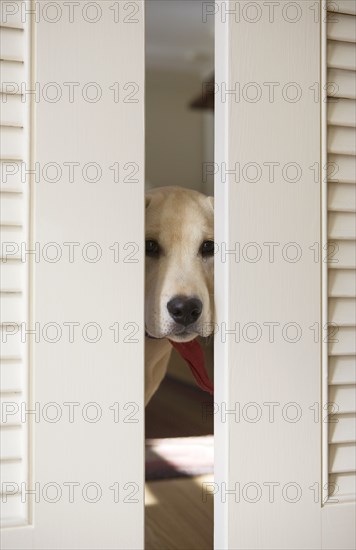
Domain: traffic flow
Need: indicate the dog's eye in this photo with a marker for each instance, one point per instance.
(207, 248)
(152, 248)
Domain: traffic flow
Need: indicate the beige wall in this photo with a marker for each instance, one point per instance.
(174, 132)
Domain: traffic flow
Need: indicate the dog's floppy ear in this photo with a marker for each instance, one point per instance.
(211, 202)
(147, 200)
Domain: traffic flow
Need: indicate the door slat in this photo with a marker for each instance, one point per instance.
(342, 140)
(342, 225)
(341, 27)
(342, 112)
(342, 458)
(342, 370)
(342, 169)
(341, 197)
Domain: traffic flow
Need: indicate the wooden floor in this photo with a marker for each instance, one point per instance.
(176, 516)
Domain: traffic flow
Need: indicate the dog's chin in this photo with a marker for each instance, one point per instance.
(180, 336)
(183, 337)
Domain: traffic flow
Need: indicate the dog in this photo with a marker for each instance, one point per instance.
(179, 303)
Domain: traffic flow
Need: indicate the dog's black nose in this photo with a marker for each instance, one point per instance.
(185, 311)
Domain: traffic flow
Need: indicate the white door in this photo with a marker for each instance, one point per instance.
(72, 274)
(285, 386)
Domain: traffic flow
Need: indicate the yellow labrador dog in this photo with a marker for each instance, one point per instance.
(179, 275)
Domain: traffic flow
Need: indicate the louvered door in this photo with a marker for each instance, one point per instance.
(341, 234)
(69, 480)
(15, 221)
(284, 482)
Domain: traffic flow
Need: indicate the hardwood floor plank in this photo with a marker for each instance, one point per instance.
(176, 516)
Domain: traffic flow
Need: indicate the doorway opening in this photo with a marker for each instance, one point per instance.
(180, 152)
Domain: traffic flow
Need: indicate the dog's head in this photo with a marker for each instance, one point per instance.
(179, 264)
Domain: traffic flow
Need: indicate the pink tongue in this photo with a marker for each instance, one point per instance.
(193, 354)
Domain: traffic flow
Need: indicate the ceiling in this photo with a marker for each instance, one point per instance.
(177, 38)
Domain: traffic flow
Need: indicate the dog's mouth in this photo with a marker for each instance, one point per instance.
(183, 335)
(190, 349)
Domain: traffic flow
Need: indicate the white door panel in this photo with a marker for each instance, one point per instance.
(287, 478)
(82, 372)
